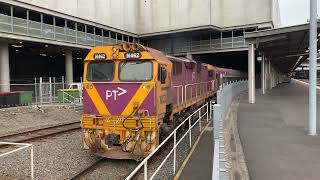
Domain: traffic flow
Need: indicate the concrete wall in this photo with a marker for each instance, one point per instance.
(151, 16)
(276, 14)
(166, 15)
(245, 12)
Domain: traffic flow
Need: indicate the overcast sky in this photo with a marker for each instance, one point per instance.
(294, 11)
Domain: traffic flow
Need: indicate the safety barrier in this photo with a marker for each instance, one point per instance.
(201, 112)
(224, 98)
(23, 146)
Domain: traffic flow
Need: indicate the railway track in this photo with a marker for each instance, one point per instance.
(40, 133)
(100, 165)
(87, 169)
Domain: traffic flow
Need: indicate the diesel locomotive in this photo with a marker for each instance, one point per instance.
(133, 96)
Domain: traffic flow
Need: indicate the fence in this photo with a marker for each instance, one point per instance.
(45, 90)
(23, 146)
(207, 45)
(201, 112)
(224, 98)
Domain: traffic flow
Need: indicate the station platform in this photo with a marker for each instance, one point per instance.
(199, 165)
(274, 134)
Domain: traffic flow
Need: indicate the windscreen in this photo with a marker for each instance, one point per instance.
(135, 71)
(100, 71)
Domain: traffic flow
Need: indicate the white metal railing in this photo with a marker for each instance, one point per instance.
(144, 163)
(23, 146)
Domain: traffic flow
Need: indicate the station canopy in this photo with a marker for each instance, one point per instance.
(286, 47)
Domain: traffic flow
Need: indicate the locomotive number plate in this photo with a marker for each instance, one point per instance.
(100, 56)
(132, 55)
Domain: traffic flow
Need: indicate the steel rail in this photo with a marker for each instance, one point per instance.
(87, 169)
(40, 133)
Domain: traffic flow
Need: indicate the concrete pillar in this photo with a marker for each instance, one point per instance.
(263, 75)
(69, 67)
(269, 76)
(251, 73)
(272, 77)
(4, 67)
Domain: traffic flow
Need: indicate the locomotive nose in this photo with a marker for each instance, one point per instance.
(119, 99)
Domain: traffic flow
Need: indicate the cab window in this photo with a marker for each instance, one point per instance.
(162, 74)
(100, 71)
(135, 71)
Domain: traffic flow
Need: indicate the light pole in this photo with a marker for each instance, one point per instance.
(313, 68)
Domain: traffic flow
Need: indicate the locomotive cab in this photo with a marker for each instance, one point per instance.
(125, 96)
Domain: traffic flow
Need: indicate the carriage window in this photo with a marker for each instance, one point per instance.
(177, 68)
(210, 73)
(199, 66)
(100, 71)
(135, 71)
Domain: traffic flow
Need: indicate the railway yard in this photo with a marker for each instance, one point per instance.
(58, 148)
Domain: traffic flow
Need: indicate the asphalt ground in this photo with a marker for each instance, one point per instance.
(274, 134)
(199, 166)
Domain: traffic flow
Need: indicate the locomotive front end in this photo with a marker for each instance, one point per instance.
(119, 102)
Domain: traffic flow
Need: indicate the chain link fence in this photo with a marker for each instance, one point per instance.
(45, 90)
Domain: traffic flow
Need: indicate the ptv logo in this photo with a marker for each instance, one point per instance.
(115, 93)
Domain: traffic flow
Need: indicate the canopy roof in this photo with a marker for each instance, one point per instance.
(286, 47)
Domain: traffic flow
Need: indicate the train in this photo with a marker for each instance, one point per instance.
(134, 96)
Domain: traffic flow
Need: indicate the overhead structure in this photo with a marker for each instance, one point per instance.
(283, 50)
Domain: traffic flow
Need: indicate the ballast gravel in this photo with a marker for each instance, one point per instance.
(62, 156)
(21, 119)
(59, 157)
(120, 169)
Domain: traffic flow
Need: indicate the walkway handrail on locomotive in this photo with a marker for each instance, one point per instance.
(178, 94)
(144, 163)
(195, 84)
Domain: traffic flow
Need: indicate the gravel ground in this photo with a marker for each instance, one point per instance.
(22, 119)
(62, 156)
(59, 157)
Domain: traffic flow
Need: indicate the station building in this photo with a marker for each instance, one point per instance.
(50, 38)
